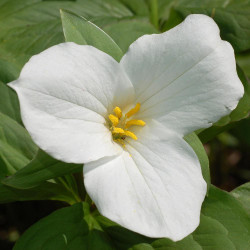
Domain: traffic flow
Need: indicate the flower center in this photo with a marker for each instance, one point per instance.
(119, 123)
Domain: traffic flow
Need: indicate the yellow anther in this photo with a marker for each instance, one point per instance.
(135, 122)
(120, 124)
(118, 131)
(118, 112)
(130, 134)
(133, 110)
(114, 120)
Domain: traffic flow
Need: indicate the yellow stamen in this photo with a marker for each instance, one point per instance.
(121, 142)
(118, 131)
(120, 124)
(135, 122)
(114, 120)
(133, 110)
(118, 112)
(130, 134)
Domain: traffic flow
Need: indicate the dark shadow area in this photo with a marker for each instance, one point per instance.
(229, 157)
(16, 217)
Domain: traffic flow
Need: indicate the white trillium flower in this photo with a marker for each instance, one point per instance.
(126, 121)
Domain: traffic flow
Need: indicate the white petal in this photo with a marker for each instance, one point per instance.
(65, 94)
(155, 189)
(186, 77)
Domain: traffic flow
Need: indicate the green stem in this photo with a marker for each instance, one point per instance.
(80, 185)
(88, 200)
(68, 187)
(153, 7)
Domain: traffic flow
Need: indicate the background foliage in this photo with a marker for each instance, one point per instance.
(28, 27)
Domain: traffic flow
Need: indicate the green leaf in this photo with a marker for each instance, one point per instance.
(79, 30)
(139, 7)
(243, 107)
(143, 246)
(174, 18)
(128, 30)
(67, 228)
(16, 147)
(209, 235)
(243, 60)
(186, 244)
(9, 104)
(43, 167)
(242, 194)
(207, 134)
(8, 71)
(224, 208)
(212, 234)
(231, 16)
(44, 191)
(193, 140)
(30, 26)
(121, 237)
